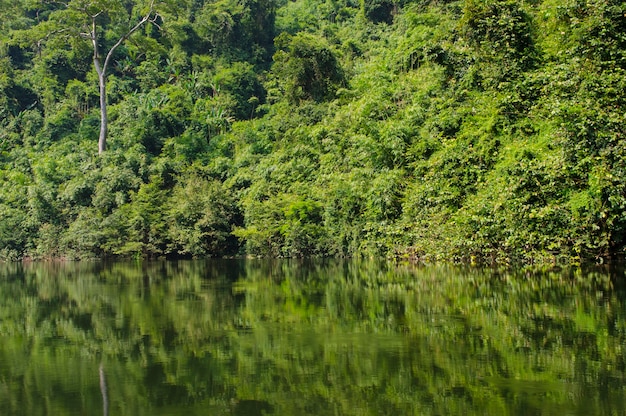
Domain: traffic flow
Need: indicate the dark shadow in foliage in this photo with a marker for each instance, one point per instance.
(22, 98)
(307, 67)
(599, 29)
(191, 42)
(240, 82)
(20, 59)
(62, 68)
(502, 30)
(379, 11)
(252, 408)
(258, 28)
(239, 29)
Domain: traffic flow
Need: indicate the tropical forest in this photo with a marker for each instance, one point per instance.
(437, 130)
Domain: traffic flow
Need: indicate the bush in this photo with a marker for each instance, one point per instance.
(201, 215)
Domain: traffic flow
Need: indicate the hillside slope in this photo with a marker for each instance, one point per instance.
(444, 130)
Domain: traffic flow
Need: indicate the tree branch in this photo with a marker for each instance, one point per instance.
(41, 41)
(96, 54)
(147, 18)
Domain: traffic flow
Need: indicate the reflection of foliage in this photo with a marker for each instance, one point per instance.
(310, 338)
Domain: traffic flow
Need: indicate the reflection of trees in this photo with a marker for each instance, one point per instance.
(63, 322)
(308, 337)
(104, 391)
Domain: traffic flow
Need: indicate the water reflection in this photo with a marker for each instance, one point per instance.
(327, 337)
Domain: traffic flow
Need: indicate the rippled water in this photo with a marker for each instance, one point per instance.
(252, 337)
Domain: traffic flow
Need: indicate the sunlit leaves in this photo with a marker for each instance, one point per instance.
(200, 219)
(459, 129)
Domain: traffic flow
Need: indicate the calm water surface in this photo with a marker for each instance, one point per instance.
(315, 338)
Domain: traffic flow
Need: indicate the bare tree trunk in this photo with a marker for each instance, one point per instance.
(104, 121)
(101, 68)
(102, 80)
(103, 390)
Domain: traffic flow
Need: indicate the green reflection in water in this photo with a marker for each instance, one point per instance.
(256, 337)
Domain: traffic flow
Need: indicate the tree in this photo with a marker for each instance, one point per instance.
(307, 67)
(89, 20)
(101, 67)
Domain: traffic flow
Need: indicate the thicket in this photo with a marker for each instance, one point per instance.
(463, 130)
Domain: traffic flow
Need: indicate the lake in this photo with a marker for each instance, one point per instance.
(286, 337)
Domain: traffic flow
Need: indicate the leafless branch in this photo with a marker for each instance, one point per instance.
(155, 19)
(48, 35)
(150, 17)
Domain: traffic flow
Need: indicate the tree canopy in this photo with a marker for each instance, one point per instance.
(461, 130)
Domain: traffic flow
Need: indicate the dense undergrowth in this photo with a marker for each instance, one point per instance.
(476, 130)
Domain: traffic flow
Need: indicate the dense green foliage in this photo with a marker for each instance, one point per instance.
(286, 337)
(470, 129)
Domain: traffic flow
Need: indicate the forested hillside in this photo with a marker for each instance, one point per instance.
(454, 130)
